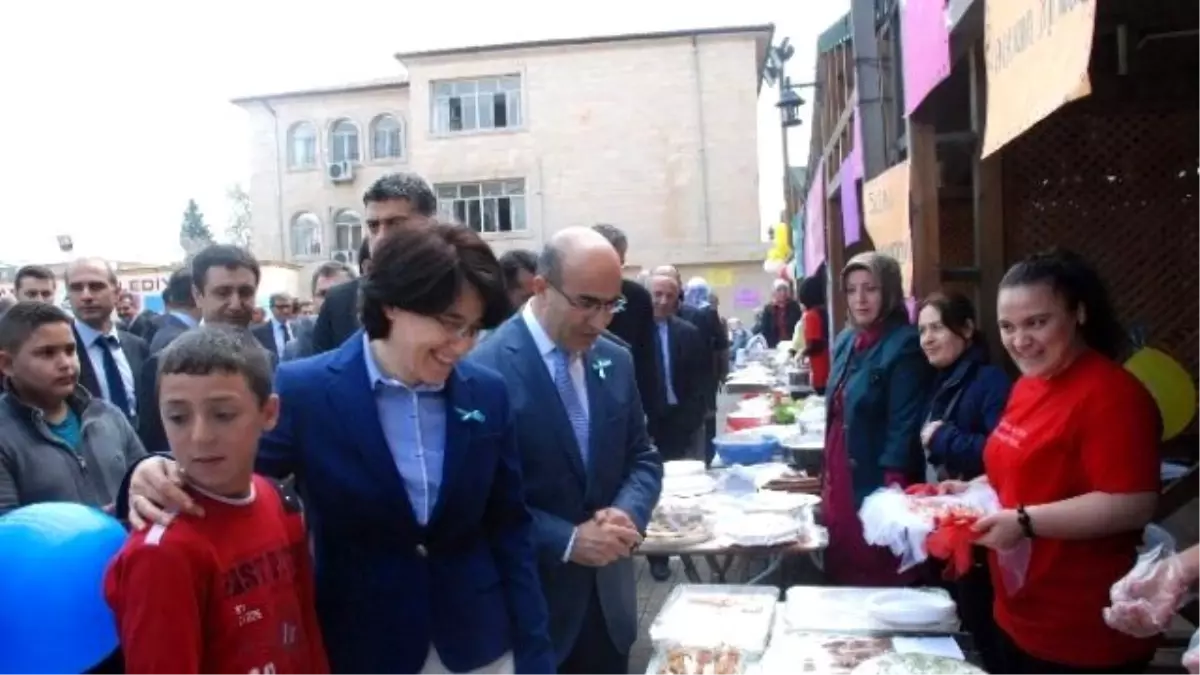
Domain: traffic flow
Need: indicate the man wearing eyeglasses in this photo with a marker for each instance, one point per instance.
(592, 475)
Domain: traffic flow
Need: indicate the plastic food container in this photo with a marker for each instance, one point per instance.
(745, 449)
(710, 615)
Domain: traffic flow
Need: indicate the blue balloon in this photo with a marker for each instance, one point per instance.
(53, 617)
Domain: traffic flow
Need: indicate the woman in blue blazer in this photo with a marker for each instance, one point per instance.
(407, 465)
(965, 404)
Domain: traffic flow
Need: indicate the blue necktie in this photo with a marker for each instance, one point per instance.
(112, 375)
(570, 400)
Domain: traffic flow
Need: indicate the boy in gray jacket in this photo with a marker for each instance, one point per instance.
(57, 441)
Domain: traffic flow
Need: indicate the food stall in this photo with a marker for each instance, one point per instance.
(729, 630)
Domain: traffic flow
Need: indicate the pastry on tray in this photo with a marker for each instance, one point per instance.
(794, 481)
(720, 661)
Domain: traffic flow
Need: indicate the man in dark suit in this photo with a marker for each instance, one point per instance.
(592, 475)
(276, 332)
(181, 312)
(634, 324)
(328, 276)
(395, 201)
(111, 360)
(683, 360)
(224, 284)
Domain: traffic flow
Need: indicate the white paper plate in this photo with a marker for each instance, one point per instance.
(907, 607)
(683, 467)
(770, 501)
(688, 486)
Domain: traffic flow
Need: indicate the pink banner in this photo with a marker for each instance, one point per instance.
(926, 46)
(814, 222)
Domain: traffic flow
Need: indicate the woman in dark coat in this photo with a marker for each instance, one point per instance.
(967, 400)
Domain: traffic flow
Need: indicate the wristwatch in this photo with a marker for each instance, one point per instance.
(1025, 522)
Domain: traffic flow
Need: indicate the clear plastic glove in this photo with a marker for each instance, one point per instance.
(1191, 658)
(1145, 600)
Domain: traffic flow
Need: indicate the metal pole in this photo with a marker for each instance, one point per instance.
(870, 91)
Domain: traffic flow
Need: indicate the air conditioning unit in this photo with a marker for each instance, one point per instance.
(347, 257)
(340, 172)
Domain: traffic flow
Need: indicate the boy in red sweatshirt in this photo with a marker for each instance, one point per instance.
(231, 592)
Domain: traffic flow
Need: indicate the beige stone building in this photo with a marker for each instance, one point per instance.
(656, 133)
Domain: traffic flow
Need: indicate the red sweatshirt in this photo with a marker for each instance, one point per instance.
(231, 592)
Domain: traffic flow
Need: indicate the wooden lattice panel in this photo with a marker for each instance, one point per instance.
(956, 232)
(1118, 184)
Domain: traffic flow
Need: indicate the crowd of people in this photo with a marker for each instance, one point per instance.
(445, 462)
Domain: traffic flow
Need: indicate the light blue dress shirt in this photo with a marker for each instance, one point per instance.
(664, 346)
(548, 351)
(95, 353)
(414, 425)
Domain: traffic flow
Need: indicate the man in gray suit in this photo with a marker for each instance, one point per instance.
(327, 276)
(592, 476)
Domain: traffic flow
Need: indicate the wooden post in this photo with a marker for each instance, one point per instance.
(988, 197)
(926, 242)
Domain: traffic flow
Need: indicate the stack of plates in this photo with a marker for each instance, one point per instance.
(910, 608)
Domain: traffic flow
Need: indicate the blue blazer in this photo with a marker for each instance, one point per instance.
(387, 587)
(969, 398)
(624, 471)
(884, 400)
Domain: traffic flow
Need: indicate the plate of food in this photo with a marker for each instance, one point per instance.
(823, 653)
(895, 663)
(689, 661)
(671, 532)
(704, 615)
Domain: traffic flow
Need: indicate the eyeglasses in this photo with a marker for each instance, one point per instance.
(591, 305)
(457, 328)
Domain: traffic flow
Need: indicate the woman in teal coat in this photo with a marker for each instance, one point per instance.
(876, 397)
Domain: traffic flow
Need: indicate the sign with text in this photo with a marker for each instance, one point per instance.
(926, 53)
(1037, 54)
(886, 216)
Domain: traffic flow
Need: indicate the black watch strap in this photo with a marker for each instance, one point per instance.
(1025, 522)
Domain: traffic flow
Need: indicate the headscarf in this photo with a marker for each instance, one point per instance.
(697, 293)
(886, 271)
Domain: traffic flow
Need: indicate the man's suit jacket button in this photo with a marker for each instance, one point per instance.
(422, 551)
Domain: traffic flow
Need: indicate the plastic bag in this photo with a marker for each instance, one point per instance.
(1145, 599)
(918, 522)
(1191, 658)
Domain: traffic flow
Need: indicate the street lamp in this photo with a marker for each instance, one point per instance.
(789, 105)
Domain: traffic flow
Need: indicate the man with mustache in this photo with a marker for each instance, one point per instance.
(224, 283)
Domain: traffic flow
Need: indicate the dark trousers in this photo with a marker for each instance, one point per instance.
(1012, 659)
(594, 651)
(974, 595)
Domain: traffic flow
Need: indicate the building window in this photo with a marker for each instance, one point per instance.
(343, 141)
(387, 138)
(488, 206)
(347, 231)
(472, 105)
(302, 146)
(306, 235)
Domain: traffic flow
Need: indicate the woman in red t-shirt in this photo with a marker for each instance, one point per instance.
(815, 327)
(1074, 461)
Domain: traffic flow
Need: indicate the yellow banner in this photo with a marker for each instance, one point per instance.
(1037, 54)
(885, 207)
(720, 277)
